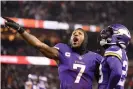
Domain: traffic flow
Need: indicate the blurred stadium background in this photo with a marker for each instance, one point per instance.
(53, 22)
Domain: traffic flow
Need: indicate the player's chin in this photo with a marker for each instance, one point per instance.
(75, 45)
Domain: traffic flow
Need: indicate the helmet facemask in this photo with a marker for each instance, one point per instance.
(106, 36)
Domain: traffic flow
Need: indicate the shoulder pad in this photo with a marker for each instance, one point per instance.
(114, 51)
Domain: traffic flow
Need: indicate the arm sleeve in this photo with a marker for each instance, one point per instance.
(99, 58)
(116, 71)
(60, 48)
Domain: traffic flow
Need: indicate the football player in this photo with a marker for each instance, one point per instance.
(113, 68)
(76, 65)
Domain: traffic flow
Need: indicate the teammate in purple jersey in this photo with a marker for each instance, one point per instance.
(113, 68)
(77, 66)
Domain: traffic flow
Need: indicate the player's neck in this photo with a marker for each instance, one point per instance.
(79, 50)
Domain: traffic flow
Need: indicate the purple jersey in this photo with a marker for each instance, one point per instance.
(113, 69)
(76, 71)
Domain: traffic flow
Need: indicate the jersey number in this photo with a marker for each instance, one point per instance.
(124, 73)
(123, 76)
(75, 66)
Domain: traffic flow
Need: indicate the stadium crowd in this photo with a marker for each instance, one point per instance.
(14, 76)
(70, 11)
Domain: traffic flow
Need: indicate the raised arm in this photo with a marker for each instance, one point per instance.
(47, 51)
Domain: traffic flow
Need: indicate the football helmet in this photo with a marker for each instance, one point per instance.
(115, 34)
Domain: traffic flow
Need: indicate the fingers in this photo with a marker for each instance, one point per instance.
(10, 24)
(9, 20)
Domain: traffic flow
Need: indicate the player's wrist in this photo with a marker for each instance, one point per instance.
(20, 30)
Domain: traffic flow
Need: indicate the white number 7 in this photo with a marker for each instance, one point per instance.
(75, 66)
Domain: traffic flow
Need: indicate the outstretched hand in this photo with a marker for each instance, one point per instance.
(14, 25)
(8, 20)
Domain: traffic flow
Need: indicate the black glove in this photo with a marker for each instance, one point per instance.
(14, 25)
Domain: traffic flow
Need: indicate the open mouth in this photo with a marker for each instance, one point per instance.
(75, 39)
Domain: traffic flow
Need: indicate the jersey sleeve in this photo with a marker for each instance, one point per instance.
(113, 51)
(61, 48)
(99, 58)
(116, 71)
(58, 46)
